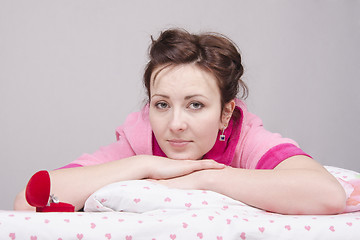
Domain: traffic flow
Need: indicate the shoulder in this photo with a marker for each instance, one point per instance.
(140, 117)
(136, 121)
(255, 141)
(137, 131)
(247, 119)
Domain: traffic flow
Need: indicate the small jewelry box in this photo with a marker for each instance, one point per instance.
(38, 195)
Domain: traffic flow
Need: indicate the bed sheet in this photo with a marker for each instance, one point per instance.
(226, 223)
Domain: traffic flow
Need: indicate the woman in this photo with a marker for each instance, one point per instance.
(194, 133)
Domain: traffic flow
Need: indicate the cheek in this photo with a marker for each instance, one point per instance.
(155, 122)
(207, 132)
(159, 124)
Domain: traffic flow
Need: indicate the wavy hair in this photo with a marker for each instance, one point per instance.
(212, 52)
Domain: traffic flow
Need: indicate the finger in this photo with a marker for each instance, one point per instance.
(210, 164)
(191, 165)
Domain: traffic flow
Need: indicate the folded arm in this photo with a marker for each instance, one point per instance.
(298, 185)
(75, 185)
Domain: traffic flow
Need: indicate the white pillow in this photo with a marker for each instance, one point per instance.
(350, 180)
(140, 196)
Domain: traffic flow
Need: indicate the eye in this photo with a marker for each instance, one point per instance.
(161, 105)
(196, 105)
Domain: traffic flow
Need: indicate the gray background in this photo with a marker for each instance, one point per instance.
(70, 72)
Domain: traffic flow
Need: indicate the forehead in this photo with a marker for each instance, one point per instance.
(183, 77)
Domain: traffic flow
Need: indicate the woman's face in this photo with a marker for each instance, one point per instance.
(185, 111)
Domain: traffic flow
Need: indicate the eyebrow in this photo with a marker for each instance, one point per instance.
(186, 97)
(160, 95)
(195, 95)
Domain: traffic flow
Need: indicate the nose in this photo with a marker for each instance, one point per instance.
(177, 121)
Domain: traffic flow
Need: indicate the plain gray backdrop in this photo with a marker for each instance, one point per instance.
(70, 72)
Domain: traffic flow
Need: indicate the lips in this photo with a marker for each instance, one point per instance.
(178, 142)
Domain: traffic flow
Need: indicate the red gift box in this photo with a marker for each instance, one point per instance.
(38, 195)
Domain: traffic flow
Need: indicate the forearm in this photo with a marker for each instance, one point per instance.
(288, 191)
(75, 185)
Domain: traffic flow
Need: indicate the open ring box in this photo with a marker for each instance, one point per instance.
(38, 195)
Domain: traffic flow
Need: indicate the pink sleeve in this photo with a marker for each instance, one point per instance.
(259, 148)
(133, 138)
(115, 151)
(277, 154)
(264, 150)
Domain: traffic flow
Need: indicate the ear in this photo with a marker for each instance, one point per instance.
(227, 113)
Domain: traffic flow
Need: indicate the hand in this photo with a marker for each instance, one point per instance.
(190, 181)
(165, 168)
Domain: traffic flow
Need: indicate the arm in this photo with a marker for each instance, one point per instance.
(298, 185)
(75, 185)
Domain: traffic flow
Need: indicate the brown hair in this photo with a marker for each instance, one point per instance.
(212, 52)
